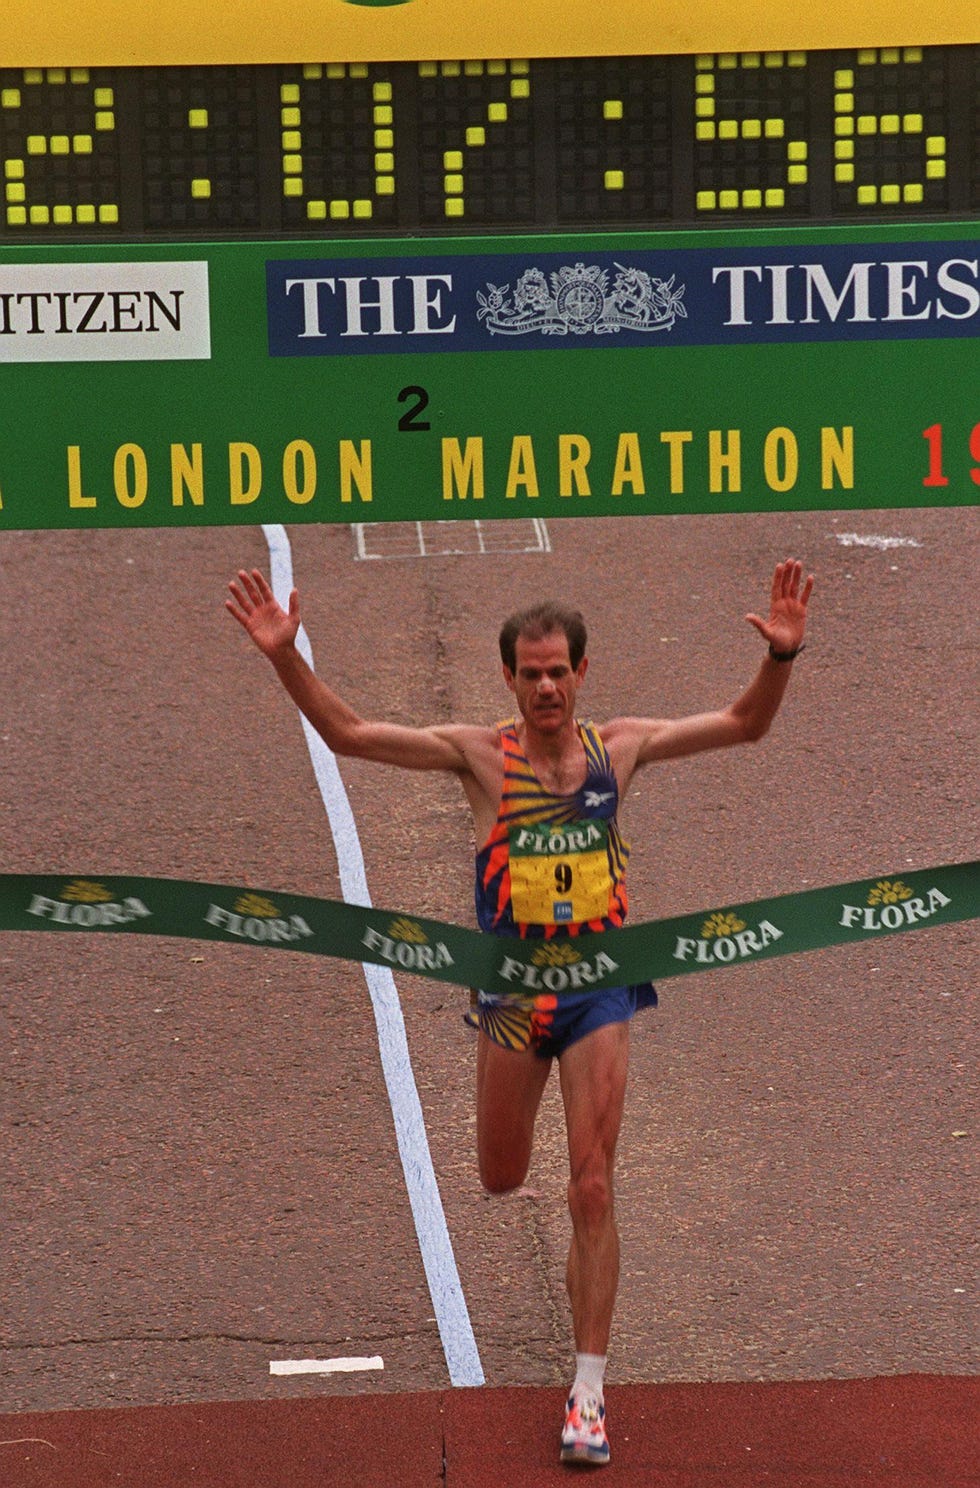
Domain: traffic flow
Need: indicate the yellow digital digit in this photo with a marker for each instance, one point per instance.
(97, 105)
(515, 83)
(297, 151)
(753, 131)
(852, 127)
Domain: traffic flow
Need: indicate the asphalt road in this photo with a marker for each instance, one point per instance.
(200, 1167)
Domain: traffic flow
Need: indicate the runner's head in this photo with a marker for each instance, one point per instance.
(544, 619)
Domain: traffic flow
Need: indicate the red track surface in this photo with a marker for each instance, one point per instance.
(911, 1432)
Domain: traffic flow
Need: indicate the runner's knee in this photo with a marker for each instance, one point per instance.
(502, 1173)
(590, 1195)
(504, 1142)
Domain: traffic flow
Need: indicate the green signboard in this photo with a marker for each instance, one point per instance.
(510, 377)
(335, 292)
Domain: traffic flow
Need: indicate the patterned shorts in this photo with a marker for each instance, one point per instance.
(549, 1024)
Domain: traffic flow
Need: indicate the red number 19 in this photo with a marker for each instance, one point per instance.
(934, 438)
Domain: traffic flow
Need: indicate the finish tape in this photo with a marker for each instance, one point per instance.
(733, 935)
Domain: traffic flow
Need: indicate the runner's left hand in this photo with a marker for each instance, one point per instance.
(787, 607)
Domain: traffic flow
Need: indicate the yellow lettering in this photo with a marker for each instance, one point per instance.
(837, 457)
(675, 439)
(460, 467)
(244, 488)
(629, 466)
(75, 498)
(186, 474)
(355, 470)
(574, 453)
(522, 470)
(129, 475)
(724, 460)
(781, 459)
(297, 456)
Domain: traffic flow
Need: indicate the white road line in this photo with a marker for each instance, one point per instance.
(873, 540)
(325, 1366)
(455, 1328)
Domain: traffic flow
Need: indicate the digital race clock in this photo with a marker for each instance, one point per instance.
(456, 147)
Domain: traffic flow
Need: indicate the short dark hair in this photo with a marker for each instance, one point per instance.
(541, 620)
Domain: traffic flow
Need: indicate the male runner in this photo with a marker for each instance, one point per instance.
(543, 770)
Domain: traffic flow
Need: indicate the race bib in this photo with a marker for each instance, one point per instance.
(560, 875)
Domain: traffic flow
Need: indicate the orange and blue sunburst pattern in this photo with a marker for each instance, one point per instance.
(525, 802)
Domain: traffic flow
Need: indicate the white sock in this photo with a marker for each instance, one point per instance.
(590, 1370)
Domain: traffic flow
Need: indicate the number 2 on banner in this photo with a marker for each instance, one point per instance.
(410, 421)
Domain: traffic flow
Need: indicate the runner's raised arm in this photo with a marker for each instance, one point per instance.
(274, 631)
(640, 741)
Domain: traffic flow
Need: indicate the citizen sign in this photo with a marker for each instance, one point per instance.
(104, 312)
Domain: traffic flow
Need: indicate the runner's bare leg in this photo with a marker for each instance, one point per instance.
(509, 1087)
(593, 1083)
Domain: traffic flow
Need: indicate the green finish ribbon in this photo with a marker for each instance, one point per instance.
(733, 935)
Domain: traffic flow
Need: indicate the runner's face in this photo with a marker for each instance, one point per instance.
(544, 683)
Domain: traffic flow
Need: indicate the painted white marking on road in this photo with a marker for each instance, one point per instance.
(325, 1366)
(449, 538)
(872, 540)
(452, 1317)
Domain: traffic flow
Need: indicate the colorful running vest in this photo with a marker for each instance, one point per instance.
(553, 865)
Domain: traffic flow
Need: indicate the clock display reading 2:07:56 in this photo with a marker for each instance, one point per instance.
(362, 149)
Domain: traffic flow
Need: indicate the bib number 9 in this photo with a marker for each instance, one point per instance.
(561, 876)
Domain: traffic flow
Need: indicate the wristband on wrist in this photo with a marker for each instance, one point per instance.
(786, 655)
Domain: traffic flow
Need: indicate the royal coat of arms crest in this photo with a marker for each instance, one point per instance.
(579, 300)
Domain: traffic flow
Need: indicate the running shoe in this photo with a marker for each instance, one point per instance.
(584, 1437)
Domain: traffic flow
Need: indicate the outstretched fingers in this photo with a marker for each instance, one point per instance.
(789, 596)
(250, 591)
(786, 582)
(247, 594)
(758, 622)
(785, 578)
(236, 605)
(252, 603)
(255, 586)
